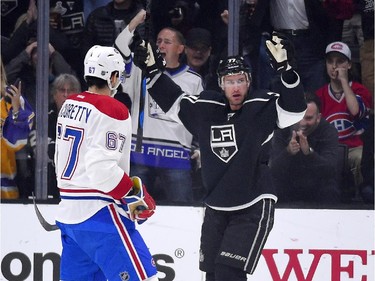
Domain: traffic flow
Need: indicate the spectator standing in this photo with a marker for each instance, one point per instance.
(178, 14)
(67, 17)
(97, 211)
(234, 129)
(106, 22)
(254, 27)
(367, 49)
(304, 159)
(345, 104)
(338, 12)
(10, 12)
(209, 17)
(90, 5)
(167, 145)
(16, 122)
(304, 23)
(24, 67)
(352, 35)
(25, 31)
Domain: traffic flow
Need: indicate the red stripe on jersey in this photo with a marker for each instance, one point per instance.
(122, 188)
(105, 104)
(128, 244)
(81, 190)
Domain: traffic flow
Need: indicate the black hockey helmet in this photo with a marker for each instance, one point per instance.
(232, 65)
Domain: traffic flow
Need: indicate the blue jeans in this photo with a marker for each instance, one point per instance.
(171, 185)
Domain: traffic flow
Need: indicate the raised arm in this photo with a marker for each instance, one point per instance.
(291, 105)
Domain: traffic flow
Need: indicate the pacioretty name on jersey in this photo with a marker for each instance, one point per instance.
(75, 112)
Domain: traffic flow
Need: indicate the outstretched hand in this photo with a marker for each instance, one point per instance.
(281, 52)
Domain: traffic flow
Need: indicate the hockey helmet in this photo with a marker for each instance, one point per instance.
(232, 65)
(102, 61)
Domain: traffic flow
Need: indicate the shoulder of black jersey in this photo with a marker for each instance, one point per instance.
(214, 96)
(105, 104)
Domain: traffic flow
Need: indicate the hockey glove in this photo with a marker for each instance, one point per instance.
(281, 53)
(140, 204)
(149, 59)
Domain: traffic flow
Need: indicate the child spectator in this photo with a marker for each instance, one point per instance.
(345, 104)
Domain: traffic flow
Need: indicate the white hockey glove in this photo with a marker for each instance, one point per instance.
(139, 203)
(281, 53)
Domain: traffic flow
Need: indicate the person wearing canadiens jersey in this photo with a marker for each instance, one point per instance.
(100, 204)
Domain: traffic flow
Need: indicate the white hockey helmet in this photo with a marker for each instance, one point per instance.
(101, 62)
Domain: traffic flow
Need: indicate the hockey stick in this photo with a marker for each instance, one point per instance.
(46, 225)
(138, 145)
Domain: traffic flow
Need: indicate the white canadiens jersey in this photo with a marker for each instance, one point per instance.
(93, 138)
(166, 143)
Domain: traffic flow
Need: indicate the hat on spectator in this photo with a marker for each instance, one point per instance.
(197, 37)
(339, 47)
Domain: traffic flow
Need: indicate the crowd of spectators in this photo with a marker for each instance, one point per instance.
(193, 34)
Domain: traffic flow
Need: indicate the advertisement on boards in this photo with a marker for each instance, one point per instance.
(304, 245)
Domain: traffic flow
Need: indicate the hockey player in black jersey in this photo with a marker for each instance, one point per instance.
(234, 129)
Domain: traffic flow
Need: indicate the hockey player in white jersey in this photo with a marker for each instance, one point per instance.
(100, 203)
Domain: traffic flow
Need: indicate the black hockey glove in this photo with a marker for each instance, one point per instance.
(149, 59)
(281, 53)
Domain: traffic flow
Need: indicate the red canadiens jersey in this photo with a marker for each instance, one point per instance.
(336, 112)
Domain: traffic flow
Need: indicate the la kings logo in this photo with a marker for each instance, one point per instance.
(223, 142)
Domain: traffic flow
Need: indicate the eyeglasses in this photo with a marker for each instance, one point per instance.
(231, 83)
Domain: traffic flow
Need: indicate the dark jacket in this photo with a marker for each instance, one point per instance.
(100, 27)
(309, 177)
